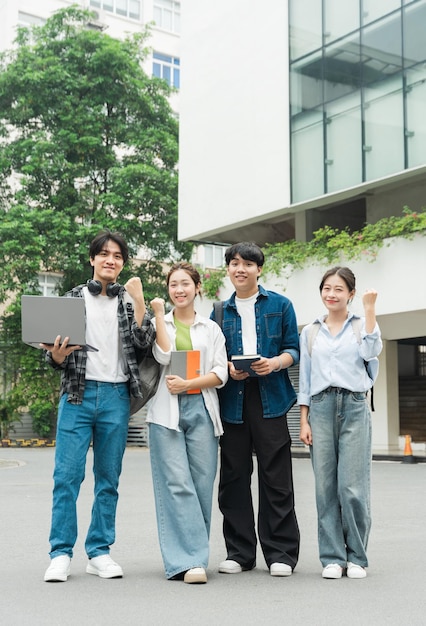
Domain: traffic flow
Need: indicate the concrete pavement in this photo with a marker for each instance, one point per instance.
(392, 594)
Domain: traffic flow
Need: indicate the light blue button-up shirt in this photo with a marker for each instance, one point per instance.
(337, 361)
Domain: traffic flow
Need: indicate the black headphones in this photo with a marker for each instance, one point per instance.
(95, 288)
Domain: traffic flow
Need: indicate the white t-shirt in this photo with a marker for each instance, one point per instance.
(245, 308)
(107, 365)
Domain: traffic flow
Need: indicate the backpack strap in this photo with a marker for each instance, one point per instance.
(356, 327)
(218, 312)
(312, 335)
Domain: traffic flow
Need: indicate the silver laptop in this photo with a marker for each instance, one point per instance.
(45, 317)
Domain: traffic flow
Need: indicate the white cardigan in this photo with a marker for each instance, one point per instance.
(207, 337)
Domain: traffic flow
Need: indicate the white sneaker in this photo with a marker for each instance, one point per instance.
(332, 570)
(104, 567)
(230, 567)
(280, 569)
(356, 571)
(58, 570)
(195, 575)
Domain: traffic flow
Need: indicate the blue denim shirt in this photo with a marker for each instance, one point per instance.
(277, 332)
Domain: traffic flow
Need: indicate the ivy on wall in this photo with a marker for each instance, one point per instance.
(328, 245)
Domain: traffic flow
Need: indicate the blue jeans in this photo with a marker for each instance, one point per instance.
(341, 457)
(102, 418)
(184, 467)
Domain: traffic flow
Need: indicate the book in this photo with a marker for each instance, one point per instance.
(186, 364)
(244, 362)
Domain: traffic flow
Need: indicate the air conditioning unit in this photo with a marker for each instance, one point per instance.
(98, 21)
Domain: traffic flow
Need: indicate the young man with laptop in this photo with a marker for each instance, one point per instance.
(94, 406)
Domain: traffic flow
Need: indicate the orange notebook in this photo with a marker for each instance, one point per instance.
(186, 364)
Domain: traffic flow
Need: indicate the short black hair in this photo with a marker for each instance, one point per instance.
(98, 243)
(248, 250)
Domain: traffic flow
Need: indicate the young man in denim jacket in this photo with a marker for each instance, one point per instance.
(253, 407)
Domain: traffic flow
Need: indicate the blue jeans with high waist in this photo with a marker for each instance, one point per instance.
(341, 457)
(102, 418)
(184, 467)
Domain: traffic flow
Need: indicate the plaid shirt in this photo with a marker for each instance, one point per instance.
(73, 369)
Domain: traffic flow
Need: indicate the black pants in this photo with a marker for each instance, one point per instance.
(277, 524)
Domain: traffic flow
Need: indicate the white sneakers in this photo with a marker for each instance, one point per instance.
(333, 570)
(195, 575)
(280, 569)
(230, 567)
(58, 570)
(103, 566)
(356, 571)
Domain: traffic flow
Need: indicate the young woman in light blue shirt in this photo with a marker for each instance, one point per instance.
(338, 365)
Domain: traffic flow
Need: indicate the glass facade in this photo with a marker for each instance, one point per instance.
(357, 91)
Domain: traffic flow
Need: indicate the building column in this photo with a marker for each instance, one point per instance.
(385, 418)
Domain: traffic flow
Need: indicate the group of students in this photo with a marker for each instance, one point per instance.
(240, 412)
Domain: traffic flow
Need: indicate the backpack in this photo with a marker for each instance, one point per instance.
(149, 372)
(372, 366)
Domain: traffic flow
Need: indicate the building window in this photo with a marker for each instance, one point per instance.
(25, 19)
(167, 15)
(48, 284)
(167, 68)
(126, 8)
(421, 355)
(214, 256)
(357, 89)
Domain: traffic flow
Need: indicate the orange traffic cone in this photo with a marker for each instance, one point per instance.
(408, 452)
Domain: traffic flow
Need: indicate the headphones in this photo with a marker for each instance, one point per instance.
(95, 288)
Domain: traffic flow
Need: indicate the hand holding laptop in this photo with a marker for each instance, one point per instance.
(59, 350)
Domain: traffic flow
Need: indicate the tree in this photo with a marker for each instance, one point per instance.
(87, 141)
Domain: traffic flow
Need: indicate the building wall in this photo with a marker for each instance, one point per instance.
(234, 115)
(342, 92)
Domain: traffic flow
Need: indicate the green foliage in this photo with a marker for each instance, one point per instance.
(212, 281)
(330, 245)
(95, 145)
(87, 141)
(30, 382)
(43, 413)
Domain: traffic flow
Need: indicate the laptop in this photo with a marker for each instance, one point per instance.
(45, 317)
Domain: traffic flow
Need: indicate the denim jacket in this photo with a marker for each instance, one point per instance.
(276, 333)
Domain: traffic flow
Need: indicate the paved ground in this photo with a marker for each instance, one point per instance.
(393, 593)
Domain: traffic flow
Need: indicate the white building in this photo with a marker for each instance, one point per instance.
(306, 113)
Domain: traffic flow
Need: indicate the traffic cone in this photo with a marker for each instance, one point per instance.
(408, 452)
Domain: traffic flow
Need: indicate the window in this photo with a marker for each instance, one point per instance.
(357, 92)
(214, 256)
(126, 8)
(167, 15)
(48, 284)
(421, 357)
(167, 68)
(25, 19)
